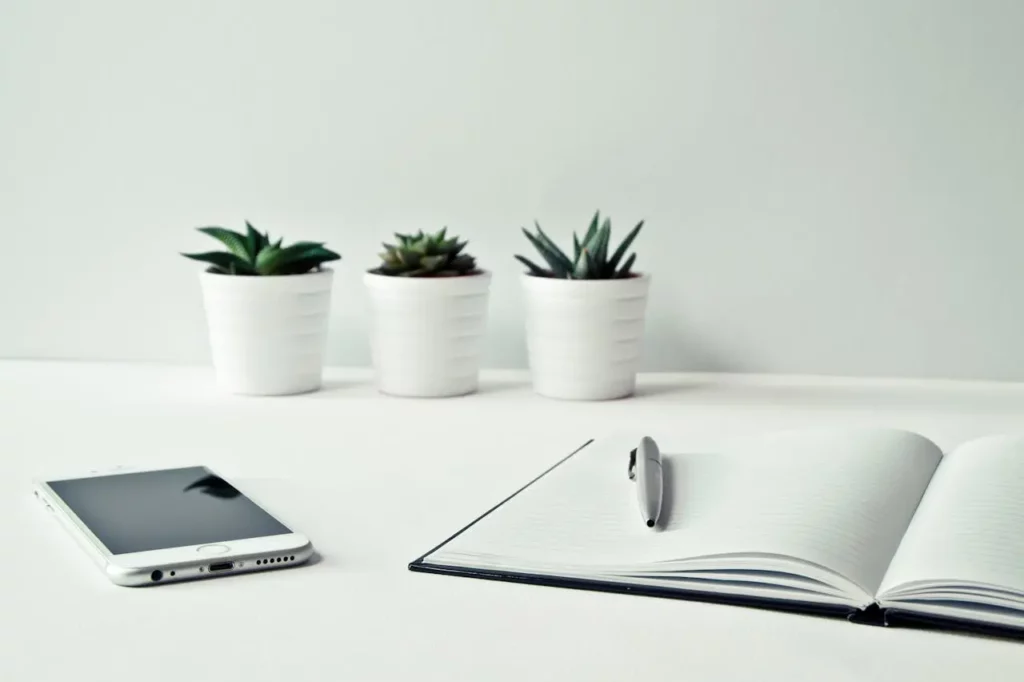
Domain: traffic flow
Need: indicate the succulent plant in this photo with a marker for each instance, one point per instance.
(426, 255)
(254, 253)
(590, 259)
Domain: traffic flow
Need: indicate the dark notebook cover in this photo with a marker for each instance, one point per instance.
(872, 615)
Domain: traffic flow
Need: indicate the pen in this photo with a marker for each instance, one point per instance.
(645, 471)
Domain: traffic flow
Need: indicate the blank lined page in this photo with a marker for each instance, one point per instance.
(839, 499)
(584, 512)
(970, 522)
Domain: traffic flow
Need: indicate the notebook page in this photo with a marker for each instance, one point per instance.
(584, 513)
(969, 525)
(838, 499)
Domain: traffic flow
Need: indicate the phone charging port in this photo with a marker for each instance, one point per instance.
(222, 566)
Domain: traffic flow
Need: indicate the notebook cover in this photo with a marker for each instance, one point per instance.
(419, 565)
(897, 617)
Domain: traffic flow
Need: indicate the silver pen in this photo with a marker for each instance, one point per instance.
(645, 471)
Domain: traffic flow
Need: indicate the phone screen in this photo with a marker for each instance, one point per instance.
(139, 512)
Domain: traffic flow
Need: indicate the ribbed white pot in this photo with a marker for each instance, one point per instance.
(426, 333)
(268, 334)
(584, 338)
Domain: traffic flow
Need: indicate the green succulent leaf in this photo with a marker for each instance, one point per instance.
(624, 246)
(305, 245)
(307, 263)
(432, 262)
(235, 242)
(453, 247)
(533, 267)
(565, 263)
(463, 263)
(604, 236)
(253, 253)
(625, 270)
(296, 255)
(267, 260)
(425, 255)
(584, 267)
(253, 241)
(555, 259)
(590, 253)
(590, 241)
(592, 229)
(410, 258)
(223, 261)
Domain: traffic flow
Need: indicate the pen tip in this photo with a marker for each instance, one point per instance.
(650, 523)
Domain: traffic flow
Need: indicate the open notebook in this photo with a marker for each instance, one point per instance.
(877, 525)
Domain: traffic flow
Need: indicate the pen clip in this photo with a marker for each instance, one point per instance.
(632, 464)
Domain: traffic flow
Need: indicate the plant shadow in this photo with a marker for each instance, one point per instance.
(332, 388)
(332, 385)
(656, 390)
(501, 387)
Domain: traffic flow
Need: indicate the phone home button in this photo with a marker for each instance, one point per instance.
(212, 549)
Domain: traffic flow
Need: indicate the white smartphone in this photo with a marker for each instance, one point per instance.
(168, 525)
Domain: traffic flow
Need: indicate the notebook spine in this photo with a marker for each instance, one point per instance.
(872, 614)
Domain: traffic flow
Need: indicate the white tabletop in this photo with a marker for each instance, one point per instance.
(323, 460)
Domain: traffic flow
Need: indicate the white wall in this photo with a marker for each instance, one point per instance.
(830, 187)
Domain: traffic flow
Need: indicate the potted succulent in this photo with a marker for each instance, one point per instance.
(267, 309)
(584, 315)
(428, 312)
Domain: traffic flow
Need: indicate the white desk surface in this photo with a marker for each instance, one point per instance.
(324, 460)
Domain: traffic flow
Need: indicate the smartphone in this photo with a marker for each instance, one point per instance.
(168, 525)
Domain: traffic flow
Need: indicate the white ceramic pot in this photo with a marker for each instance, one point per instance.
(426, 332)
(584, 338)
(268, 334)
